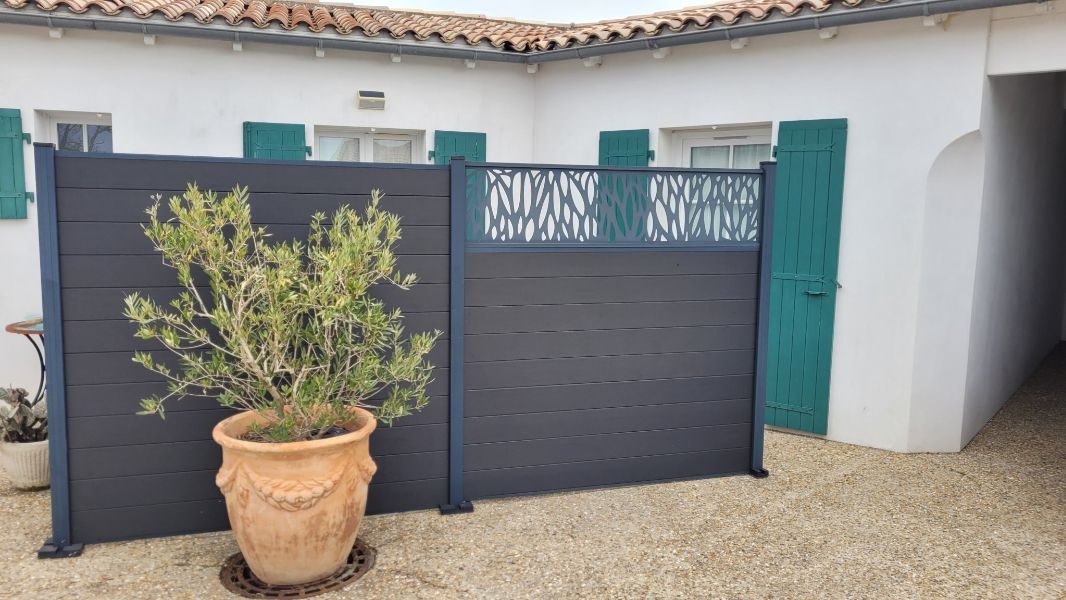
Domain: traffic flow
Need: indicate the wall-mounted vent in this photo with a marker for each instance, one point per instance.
(371, 100)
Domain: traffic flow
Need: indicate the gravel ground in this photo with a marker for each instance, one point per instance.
(832, 520)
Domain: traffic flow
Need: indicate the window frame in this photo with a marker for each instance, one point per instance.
(48, 125)
(722, 136)
(366, 137)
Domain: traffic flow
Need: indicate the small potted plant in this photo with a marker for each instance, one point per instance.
(24, 443)
(289, 333)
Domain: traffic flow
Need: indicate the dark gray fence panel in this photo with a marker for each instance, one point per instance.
(604, 315)
(592, 368)
(270, 208)
(138, 476)
(172, 173)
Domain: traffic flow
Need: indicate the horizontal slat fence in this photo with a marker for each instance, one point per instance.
(657, 387)
(608, 330)
(133, 476)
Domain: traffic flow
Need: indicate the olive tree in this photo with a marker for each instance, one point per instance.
(289, 329)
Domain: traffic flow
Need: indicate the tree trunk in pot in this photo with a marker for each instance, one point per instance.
(26, 464)
(295, 508)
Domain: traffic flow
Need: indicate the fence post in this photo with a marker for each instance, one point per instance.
(762, 340)
(60, 545)
(457, 303)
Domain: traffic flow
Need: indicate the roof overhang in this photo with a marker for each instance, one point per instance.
(837, 15)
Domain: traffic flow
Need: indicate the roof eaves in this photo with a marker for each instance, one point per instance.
(839, 14)
(273, 33)
(803, 17)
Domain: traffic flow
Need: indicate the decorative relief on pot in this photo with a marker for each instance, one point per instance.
(293, 495)
(225, 478)
(367, 468)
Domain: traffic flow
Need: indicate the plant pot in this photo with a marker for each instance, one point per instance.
(295, 508)
(26, 464)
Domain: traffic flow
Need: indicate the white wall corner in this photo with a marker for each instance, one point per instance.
(948, 263)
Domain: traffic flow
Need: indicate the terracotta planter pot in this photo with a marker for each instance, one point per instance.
(26, 464)
(295, 508)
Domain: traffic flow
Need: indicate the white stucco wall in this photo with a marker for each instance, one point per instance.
(945, 297)
(907, 91)
(1021, 254)
(191, 97)
(915, 177)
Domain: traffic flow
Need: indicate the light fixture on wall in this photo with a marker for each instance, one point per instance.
(371, 100)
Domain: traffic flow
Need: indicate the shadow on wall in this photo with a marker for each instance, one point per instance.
(1021, 250)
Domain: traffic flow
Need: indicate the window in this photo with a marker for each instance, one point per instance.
(332, 147)
(392, 149)
(77, 132)
(82, 137)
(725, 148)
(355, 145)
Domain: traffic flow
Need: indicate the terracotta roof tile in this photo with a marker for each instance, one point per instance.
(504, 34)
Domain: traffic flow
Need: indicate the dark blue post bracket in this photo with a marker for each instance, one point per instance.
(457, 224)
(60, 545)
(766, 253)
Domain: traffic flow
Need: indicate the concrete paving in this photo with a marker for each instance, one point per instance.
(832, 521)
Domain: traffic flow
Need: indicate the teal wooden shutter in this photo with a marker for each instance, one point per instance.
(12, 168)
(468, 144)
(626, 148)
(282, 141)
(803, 285)
(622, 202)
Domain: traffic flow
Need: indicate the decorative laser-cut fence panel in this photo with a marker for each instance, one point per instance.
(512, 204)
(612, 328)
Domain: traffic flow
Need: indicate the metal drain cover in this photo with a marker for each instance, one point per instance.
(239, 579)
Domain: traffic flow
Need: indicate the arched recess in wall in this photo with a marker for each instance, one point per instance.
(950, 228)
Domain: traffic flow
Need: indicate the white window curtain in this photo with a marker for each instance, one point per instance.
(388, 150)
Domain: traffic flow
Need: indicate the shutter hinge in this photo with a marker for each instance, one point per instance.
(651, 155)
(773, 154)
(432, 154)
(30, 197)
(27, 138)
(307, 149)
